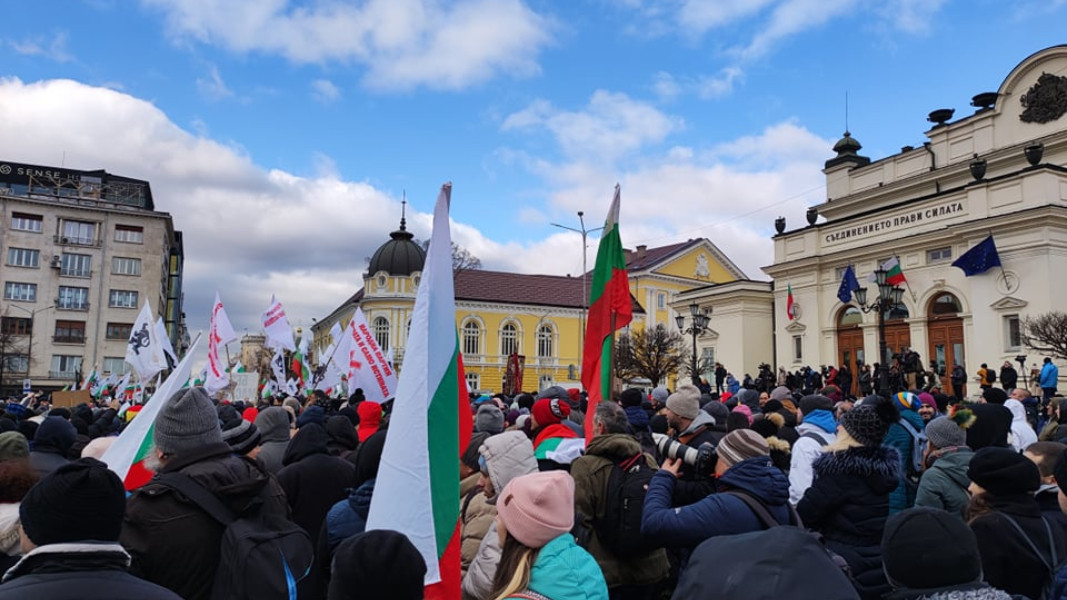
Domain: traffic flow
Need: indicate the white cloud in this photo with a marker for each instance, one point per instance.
(611, 125)
(665, 86)
(403, 44)
(720, 85)
(53, 47)
(212, 86)
(324, 91)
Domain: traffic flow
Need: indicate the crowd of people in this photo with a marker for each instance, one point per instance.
(791, 490)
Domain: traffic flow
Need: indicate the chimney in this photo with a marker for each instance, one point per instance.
(641, 249)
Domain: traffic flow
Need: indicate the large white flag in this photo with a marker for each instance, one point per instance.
(276, 325)
(277, 366)
(164, 340)
(221, 333)
(144, 351)
(367, 367)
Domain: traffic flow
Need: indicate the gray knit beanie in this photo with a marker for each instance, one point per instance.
(950, 431)
(187, 422)
(490, 419)
(685, 401)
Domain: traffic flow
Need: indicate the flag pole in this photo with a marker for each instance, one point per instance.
(611, 359)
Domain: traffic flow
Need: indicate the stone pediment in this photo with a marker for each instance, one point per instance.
(709, 334)
(796, 327)
(1008, 303)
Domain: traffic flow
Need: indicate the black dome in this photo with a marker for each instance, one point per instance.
(400, 256)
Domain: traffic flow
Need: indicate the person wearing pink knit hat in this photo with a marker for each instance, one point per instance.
(535, 514)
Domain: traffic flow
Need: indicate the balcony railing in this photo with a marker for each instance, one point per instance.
(68, 339)
(67, 240)
(61, 375)
(81, 306)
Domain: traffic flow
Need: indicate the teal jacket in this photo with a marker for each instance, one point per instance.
(944, 484)
(564, 571)
(904, 496)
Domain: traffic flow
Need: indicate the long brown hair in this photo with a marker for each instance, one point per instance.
(513, 570)
(16, 478)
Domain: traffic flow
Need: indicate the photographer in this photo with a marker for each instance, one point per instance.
(743, 469)
(690, 426)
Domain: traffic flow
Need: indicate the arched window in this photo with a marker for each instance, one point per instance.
(472, 338)
(851, 316)
(545, 342)
(509, 339)
(944, 305)
(897, 312)
(381, 332)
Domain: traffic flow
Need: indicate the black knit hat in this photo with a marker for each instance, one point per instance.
(869, 421)
(1004, 472)
(377, 565)
(241, 435)
(82, 500)
(994, 395)
(926, 548)
(814, 402)
(631, 397)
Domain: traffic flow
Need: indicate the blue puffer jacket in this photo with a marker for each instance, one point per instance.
(349, 516)
(564, 571)
(717, 514)
(903, 497)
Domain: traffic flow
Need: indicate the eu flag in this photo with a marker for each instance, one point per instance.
(848, 283)
(979, 259)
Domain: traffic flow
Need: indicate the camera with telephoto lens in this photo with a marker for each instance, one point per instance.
(701, 459)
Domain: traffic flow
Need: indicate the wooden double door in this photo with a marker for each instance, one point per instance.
(946, 349)
(850, 350)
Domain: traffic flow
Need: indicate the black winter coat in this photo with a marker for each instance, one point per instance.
(312, 479)
(848, 502)
(1008, 563)
(87, 571)
(176, 544)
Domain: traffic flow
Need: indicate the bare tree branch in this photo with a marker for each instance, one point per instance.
(653, 354)
(1046, 333)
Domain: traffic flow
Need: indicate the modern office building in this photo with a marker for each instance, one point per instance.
(82, 252)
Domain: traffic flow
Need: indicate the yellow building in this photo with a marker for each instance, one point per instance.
(539, 317)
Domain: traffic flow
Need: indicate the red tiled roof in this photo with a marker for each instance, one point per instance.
(654, 255)
(478, 285)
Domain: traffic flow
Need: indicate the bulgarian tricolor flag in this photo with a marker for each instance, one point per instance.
(790, 303)
(417, 491)
(609, 310)
(127, 454)
(893, 273)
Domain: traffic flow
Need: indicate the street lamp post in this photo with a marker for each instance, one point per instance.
(585, 290)
(29, 341)
(889, 295)
(699, 326)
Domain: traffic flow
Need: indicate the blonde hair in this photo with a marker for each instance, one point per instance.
(517, 558)
(843, 441)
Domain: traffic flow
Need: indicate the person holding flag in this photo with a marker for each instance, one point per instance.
(610, 309)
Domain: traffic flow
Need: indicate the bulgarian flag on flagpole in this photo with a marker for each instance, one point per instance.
(790, 303)
(610, 309)
(893, 272)
(417, 490)
(127, 454)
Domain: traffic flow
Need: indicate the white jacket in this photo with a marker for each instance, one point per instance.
(805, 451)
(1022, 435)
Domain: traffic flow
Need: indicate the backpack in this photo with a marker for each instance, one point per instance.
(991, 375)
(261, 557)
(918, 447)
(1052, 562)
(619, 530)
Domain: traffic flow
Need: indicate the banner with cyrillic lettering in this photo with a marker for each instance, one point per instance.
(366, 366)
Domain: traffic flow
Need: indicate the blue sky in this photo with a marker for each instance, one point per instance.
(282, 135)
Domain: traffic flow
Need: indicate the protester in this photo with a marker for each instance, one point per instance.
(535, 514)
(241, 435)
(273, 424)
(343, 438)
(51, 445)
(162, 524)
(554, 442)
(931, 555)
(1045, 455)
(1022, 434)
(313, 480)
(635, 577)
(503, 457)
(903, 436)
(1048, 380)
(17, 476)
(848, 501)
(1008, 524)
(692, 427)
(377, 565)
(816, 430)
(71, 522)
(992, 425)
(744, 470)
(469, 470)
(490, 419)
(945, 480)
(370, 419)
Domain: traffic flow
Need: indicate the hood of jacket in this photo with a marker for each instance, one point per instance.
(273, 425)
(309, 440)
(507, 456)
(637, 417)
(702, 418)
(954, 465)
(1018, 412)
(55, 435)
(564, 571)
(342, 434)
(236, 480)
(760, 477)
(359, 498)
(613, 446)
(879, 466)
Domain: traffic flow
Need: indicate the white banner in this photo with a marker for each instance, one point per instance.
(247, 387)
(367, 367)
(276, 326)
(221, 333)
